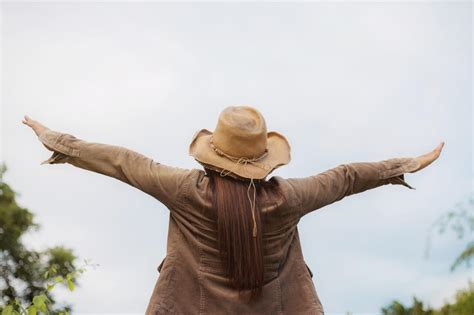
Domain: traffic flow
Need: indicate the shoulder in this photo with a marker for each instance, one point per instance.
(196, 183)
(287, 189)
(195, 180)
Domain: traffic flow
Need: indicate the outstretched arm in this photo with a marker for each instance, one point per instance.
(314, 192)
(158, 180)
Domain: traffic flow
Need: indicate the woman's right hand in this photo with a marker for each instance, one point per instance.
(36, 126)
(428, 158)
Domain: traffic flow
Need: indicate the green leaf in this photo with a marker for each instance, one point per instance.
(8, 310)
(70, 284)
(32, 310)
(38, 302)
(50, 286)
(59, 279)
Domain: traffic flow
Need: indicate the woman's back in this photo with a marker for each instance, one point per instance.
(192, 278)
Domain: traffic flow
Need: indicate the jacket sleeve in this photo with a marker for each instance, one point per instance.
(316, 191)
(158, 180)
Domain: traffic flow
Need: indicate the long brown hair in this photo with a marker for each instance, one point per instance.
(241, 254)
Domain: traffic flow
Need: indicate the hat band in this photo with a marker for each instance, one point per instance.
(233, 158)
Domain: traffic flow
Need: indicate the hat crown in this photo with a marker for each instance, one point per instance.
(241, 131)
(240, 145)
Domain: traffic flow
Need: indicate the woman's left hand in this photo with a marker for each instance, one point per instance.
(428, 158)
(37, 127)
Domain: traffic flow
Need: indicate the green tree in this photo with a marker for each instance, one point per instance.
(395, 308)
(460, 220)
(24, 272)
(463, 305)
(418, 309)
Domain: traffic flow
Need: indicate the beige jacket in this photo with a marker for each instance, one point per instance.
(191, 280)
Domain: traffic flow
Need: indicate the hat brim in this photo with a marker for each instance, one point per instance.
(279, 153)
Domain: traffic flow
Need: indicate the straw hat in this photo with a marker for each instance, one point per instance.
(240, 146)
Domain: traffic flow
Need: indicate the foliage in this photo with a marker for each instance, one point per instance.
(41, 302)
(461, 221)
(463, 305)
(25, 273)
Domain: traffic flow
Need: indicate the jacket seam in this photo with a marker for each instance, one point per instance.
(183, 190)
(299, 201)
(279, 298)
(202, 301)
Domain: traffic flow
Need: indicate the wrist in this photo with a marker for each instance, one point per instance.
(40, 130)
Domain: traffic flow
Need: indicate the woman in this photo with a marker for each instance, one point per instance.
(233, 244)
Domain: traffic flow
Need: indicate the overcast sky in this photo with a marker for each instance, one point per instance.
(345, 82)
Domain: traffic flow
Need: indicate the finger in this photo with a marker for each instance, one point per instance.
(30, 121)
(438, 149)
(440, 146)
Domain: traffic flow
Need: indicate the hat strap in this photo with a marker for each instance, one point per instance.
(254, 232)
(240, 159)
